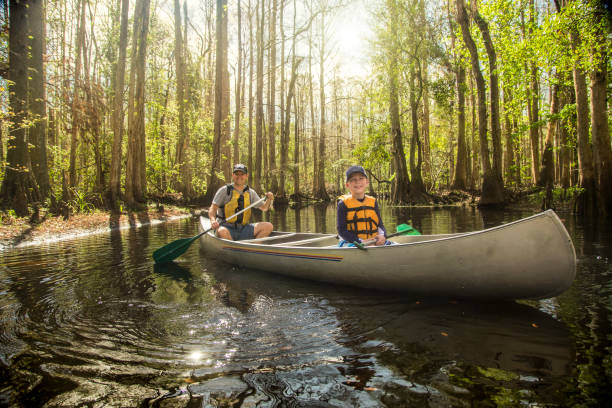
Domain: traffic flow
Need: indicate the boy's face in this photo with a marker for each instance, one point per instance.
(357, 184)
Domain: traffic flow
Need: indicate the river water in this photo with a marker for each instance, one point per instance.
(93, 322)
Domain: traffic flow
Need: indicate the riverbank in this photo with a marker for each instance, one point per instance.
(18, 232)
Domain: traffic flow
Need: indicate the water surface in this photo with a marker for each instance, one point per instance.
(92, 322)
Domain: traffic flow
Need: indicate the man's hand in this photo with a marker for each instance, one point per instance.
(214, 224)
(380, 240)
(268, 203)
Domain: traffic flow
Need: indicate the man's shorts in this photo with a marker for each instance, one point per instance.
(240, 231)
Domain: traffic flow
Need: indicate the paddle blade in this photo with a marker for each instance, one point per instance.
(173, 250)
(405, 229)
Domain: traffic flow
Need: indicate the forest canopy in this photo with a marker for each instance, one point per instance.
(115, 103)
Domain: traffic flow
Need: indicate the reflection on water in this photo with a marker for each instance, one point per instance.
(92, 322)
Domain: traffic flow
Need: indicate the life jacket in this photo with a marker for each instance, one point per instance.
(361, 217)
(239, 201)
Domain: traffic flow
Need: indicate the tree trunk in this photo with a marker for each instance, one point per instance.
(313, 131)
(220, 111)
(321, 192)
(135, 188)
(296, 146)
(565, 97)
(602, 152)
(547, 173)
(117, 115)
(250, 152)
(238, 101)
(76, 99)
(287, 118)
(426, 137)
(272, 176)
(588, 201)
(494, 92)
(259, 113)
(37, 99)
(183, 136)
(460, 182)
(19, 187)
(417, 188)
(401, 182)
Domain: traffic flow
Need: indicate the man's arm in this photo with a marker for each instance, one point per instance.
(268, 203)
(212, 215)
(382, 232)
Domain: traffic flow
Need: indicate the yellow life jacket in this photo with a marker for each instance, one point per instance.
(361, 218)
(239, 201)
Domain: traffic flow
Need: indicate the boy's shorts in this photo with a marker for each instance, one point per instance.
(240, 231)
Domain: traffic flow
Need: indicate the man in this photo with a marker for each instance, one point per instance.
(233, 198)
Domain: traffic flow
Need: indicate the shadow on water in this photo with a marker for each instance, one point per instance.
(174, 271)
(398, 350)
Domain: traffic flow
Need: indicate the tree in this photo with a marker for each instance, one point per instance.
(600, 131)
(19, 187)
(273, 180)
(117, 115)
(221, 101)
(496, 177)
(76, 100)
(135, 187)
(400, 188)
(184, 182)
(492, 193)
(37, 99)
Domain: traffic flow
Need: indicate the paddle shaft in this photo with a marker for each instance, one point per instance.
(232, 216)
(373, 240)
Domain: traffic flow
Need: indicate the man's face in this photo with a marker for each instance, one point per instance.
(239, 177)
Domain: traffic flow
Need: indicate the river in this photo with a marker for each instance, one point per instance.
(93, 322)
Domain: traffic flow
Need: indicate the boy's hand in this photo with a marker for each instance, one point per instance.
(380, 240)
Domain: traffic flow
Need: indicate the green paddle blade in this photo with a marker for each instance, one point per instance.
(406, 229)
(174, 249)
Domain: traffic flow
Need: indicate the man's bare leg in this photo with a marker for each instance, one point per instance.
(262, 229)
(222, 232)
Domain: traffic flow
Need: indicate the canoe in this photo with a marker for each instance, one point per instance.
(532, 258)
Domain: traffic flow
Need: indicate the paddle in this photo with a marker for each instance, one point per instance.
(177, 248)
(402, 229)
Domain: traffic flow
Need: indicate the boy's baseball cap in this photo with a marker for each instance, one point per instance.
(354, 169)
(240, 167)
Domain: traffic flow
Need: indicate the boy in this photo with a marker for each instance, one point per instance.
(358, 218)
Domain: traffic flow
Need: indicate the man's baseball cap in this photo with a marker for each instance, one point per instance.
(355, 169)
(240, 167)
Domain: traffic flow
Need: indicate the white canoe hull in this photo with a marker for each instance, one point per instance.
(527, 259)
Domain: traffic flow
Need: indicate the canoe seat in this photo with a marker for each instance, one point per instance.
(269, 239)
(307, 242)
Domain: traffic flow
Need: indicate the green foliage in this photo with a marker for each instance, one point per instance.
(80, 203)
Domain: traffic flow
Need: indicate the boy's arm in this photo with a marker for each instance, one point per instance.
(381, 226)
(346, 235)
